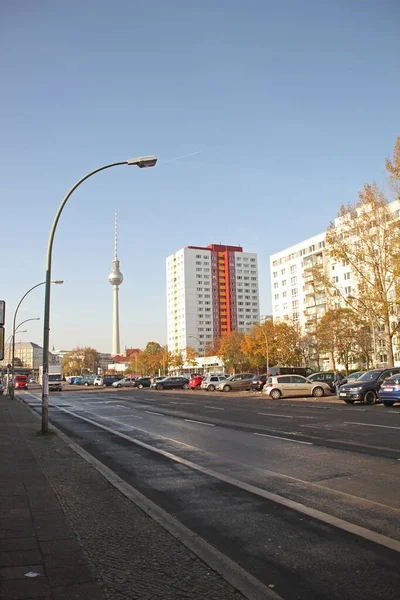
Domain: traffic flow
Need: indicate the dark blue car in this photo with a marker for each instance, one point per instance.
(389, 392)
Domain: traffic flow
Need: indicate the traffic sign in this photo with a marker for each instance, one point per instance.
(2, 312)
(2, 343)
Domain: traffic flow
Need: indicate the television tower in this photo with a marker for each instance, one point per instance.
(115, 278)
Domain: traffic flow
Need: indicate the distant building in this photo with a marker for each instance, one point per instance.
(29, 353)
(265, 318)
(210, 292)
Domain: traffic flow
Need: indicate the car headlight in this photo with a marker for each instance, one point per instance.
(355, 389)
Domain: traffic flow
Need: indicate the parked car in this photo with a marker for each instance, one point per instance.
(240, 381)
(1, 388)
(20, 382)
(352, 377)
(142, 382)
(389, 392)
(294, 385)
(108, 380)
(258, 382)
(366, 388)
(71, 380)
(326, 376)
(303, 371)
(32, 380)
(169, 383)
(98, 381)
(88, 380)
(211, 381)
(124, 382)
(195, 382)
(78, 381)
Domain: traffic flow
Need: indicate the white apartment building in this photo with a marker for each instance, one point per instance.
(210, 292)
(295, 294)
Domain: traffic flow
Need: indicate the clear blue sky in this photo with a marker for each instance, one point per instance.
(290, 107)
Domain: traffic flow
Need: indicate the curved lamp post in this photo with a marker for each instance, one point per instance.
(141, 162)
(11, 391)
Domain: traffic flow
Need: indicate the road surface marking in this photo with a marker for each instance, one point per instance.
(367, 534)
(214, 407)
(370, 425)
(150, 412)
(201, 422)
(276, 415)
(283, 438)
(173, 402)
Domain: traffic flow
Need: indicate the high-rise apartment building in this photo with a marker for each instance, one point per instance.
(298, 297)
(210, 292)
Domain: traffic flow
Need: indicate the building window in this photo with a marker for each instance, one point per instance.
(347, 290)
(293, 280)
(347, 276)
(283, 271)
(276, 297)
(295, 304)
(293, 268)
(276, 286)
(283, 282)
(294, 292)
(284, 294)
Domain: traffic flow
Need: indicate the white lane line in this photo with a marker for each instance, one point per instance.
(214, 407)
(370, 425)
(120, 406)
(123, 424)
(283, 438)
(201, 422)
(151, 412)
(367, 534)
(276, 415)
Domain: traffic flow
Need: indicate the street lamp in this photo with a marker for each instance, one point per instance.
(204, 350)
(11, 392)
(141, 162)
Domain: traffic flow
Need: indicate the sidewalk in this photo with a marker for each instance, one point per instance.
(83, 539)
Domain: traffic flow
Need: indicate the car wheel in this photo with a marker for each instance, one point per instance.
(185, 386)
(318, 392)
(227, 388)
(275, 394)
(388, 403)
(159, 386)
(86, 384)
(119, 385)
(348, 401)
(211, 388)
(104, 385)
(370, 397)
(140, 386)
(198, 387)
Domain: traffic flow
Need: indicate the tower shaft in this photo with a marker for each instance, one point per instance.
(116, 343)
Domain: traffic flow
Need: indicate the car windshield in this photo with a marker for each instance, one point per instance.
(369, 376)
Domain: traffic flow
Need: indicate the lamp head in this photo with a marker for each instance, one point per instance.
(57, 281)
(143, 162)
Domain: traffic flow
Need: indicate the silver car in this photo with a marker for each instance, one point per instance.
(211, 381)
(125, 382)
(294, 385)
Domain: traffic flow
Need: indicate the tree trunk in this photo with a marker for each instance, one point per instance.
(389, 345)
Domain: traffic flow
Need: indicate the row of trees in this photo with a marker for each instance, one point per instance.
(341, 334)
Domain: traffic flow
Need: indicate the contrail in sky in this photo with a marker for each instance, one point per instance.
(184, 156)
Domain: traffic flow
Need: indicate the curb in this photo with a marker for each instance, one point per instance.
(250, 587)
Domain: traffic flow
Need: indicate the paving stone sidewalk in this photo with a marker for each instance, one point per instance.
(83, 539)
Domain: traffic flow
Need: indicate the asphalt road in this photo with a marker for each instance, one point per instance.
(303, 494)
